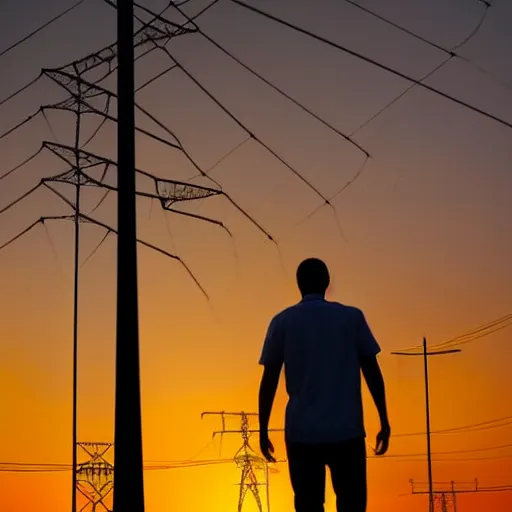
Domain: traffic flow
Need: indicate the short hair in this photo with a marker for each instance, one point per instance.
(313, 276)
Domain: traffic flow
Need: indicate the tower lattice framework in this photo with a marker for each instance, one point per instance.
(255, 470)
(445, 502)
(95, 476)
(249, 463)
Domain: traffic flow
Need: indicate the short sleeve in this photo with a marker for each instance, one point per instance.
(273, 346)
(367, 345)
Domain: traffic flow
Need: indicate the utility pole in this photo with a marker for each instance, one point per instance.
(128, 461)
(425, 354)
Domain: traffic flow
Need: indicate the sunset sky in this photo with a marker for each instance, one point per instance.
(420, 240)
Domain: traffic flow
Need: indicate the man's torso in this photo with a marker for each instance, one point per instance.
(322, 371)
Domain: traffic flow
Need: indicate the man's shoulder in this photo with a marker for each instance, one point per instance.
(346, 309)
(283, 313)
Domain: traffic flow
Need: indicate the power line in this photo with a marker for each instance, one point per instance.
(109, 49)
(454, 452)
(480, 332)
(91, 220)
(448, 51)
(189, 463)
(41, 27)
(371, 61)
(241, 63)
(475, 427)
(475, 334)
(244, 127)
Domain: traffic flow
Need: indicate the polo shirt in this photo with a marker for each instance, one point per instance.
(320, 344)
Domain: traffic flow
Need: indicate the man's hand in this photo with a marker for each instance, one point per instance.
(266, 447)
(383, 436)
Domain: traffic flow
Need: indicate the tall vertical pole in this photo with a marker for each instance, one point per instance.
(128, 469)
(427, 410)
(75, 299)
(267, 477)
(425, 354)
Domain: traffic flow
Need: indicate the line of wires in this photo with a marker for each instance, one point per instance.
(72, 82)
(477, 333)
(449, 52)
(41, 28)
(26, 467)
(250, 135)
(109, 50)
(405, 457)
(287, 96)
(505, 421)
(64, 79)
(371, 61)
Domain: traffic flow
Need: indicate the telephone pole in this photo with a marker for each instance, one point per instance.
(425, 354)
(128, 462)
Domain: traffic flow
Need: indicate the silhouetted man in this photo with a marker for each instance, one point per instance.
(324, 346)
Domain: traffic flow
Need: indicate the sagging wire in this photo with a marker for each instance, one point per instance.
(31, 117)
(108, 228)
(450, 55)
(242, 125)
(40, 28)
(475, 334)
(154, 248)
(30, 227)
(371, 61)
(53, 249)
(95, 250)
(221, 159)
(252, 71)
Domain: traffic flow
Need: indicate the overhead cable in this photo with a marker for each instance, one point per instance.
(371, 61)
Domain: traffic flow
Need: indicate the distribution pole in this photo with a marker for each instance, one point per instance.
(427, 415)
(128, 462)
(425, 355)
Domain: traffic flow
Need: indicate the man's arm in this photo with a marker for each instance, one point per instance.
(272, 360)
(368, 348)
(268, 388)
(373, 377)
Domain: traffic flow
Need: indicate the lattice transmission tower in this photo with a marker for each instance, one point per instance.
(95, 476)
(255, 470)
(445, 493)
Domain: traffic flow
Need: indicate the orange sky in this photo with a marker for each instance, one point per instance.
(426, 251)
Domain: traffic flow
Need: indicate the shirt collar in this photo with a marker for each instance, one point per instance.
(312, 296)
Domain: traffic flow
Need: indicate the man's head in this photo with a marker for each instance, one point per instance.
(313, 277)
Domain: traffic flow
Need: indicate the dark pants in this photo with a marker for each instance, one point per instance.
(347, 463)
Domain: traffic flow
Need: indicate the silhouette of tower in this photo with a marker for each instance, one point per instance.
(445, 502)
(255, 470)
(444, 495)
(95, 476)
